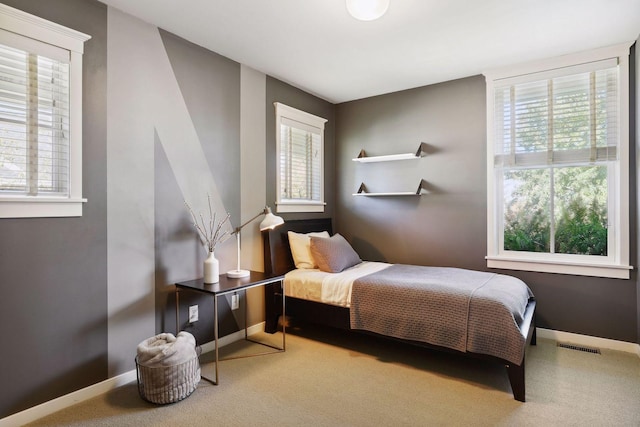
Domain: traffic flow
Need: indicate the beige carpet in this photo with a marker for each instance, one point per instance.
(333, 378)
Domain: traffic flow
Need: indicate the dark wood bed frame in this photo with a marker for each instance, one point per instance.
(278, 260)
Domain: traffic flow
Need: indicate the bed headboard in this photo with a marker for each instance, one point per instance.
(277, 254)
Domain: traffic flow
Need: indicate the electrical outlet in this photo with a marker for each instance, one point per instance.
(193, 313)
(235, 303)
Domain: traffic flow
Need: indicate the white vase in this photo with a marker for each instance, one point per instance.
(211, 269)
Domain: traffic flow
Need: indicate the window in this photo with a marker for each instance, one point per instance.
(300, 154)
(558, 165)
(40, 117)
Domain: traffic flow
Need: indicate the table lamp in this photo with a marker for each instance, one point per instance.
(269, 222)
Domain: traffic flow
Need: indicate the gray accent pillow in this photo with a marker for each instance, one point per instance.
(333, 254)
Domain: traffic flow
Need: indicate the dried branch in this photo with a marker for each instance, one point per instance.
(212, 235)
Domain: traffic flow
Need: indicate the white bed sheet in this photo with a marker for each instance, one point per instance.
(328, 288)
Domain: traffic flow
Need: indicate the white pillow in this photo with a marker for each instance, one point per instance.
(301, 248)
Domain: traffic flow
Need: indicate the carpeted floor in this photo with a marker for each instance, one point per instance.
(334, 378)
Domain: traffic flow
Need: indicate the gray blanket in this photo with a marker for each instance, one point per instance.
(464, 310)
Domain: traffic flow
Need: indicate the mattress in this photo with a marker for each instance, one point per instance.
(460, 309)
(328, 288)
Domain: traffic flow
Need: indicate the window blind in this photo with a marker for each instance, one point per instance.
(300, 161)
(570, 117)
(34, 124)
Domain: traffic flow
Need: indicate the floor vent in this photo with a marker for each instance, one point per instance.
(579, 348)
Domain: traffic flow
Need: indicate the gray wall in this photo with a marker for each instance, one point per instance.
(447, 226)
(210, 85)
(53, 272)
(449, 220)
(636, 150)
(176, 123)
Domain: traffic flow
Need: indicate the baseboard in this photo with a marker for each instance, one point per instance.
(589, 341)
(62, 402)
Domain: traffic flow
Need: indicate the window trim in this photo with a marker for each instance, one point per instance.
(307, 119)
(42, 30)
(583, 265)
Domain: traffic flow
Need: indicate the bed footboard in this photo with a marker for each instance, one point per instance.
(516, 378)
(516, 373)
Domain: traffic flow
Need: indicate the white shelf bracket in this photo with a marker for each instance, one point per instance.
(421, 186)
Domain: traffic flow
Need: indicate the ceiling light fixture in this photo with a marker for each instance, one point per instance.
(367, 10)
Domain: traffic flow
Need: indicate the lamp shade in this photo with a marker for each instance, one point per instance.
(270, 221)
(367, 10)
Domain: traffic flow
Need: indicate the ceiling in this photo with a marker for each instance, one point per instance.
(317, 46)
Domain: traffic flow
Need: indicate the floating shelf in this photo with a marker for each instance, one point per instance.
(362, 157)
(362, 191)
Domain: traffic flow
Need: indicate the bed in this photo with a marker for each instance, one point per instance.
(468, 320)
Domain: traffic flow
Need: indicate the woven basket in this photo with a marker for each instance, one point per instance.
(168, 384)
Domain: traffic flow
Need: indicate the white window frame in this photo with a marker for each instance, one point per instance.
(26, 25)
(617, 264)
(307, 120)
